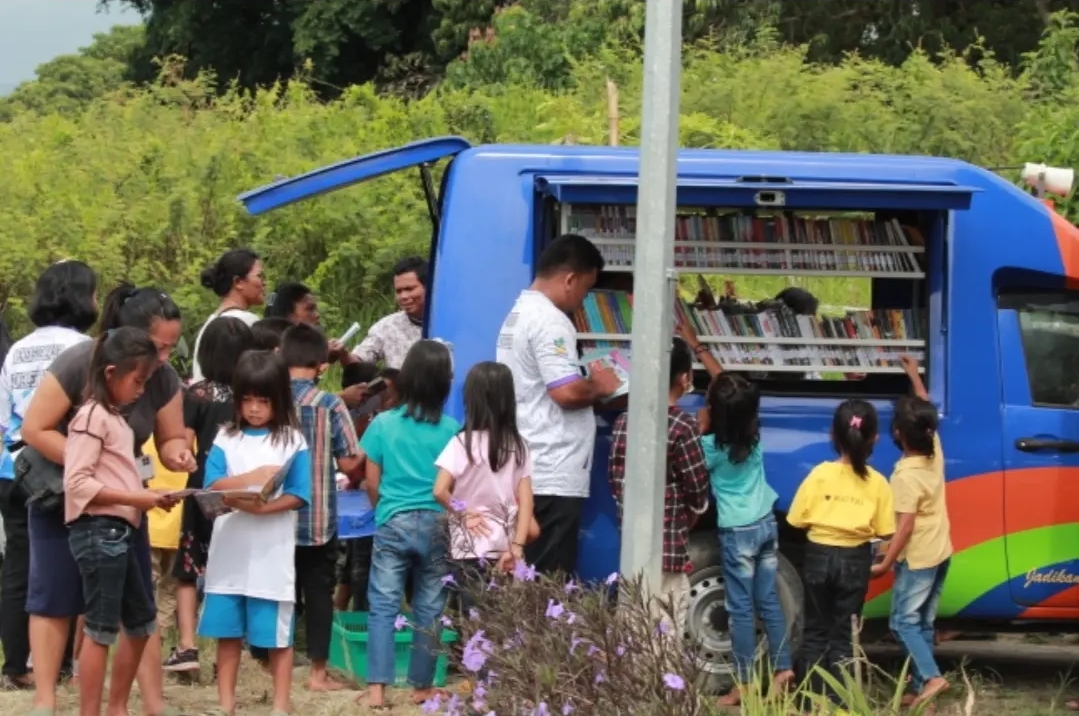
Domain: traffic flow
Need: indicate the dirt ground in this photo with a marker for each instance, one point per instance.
(1012, 676)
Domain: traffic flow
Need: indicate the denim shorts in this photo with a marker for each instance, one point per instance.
(114, 588)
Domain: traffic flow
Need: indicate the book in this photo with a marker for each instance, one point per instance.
(778, 242)
(613, 358)
(866, 338)
(212, 502)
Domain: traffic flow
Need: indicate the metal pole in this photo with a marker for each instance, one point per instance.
(646, 458)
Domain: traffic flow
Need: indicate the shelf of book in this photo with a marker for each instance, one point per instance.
(776, 245)
(768, 336)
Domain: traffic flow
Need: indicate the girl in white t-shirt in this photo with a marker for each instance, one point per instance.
(485, 477)
(250, 578)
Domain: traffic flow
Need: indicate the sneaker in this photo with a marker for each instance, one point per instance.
(182, 660)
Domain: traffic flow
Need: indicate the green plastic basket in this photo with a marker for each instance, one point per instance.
(348, 649)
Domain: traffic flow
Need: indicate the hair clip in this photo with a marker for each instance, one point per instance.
(270, 299)
(856, 421)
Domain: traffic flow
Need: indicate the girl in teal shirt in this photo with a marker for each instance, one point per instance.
(749, 537)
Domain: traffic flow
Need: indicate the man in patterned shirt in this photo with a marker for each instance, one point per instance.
(390, 338)
(331, 437)
(686, 494)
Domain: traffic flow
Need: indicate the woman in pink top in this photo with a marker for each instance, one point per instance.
(104, 502)
(485, 478)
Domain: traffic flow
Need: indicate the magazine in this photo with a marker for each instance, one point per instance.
(617, 360)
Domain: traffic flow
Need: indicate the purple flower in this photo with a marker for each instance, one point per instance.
(674, 682)
(400, 622)
(593, 649)
(541, 709)
(447, 580)
(458, 505)
(567, 708)
(571, 587)
(446, 621)
(612, 578)
(554, 609)
(663, 627)
(524, 572)
(480, 691)
(492, 585)
(473, 614)
(476, 652)
(600, 677)
(574, 643)
(432, 705)
(571, 617)
(620, 650)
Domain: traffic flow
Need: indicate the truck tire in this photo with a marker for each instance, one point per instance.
(706, 622)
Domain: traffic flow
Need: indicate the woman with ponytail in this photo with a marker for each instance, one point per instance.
(55, 595)
(236, 278)
(845, 505)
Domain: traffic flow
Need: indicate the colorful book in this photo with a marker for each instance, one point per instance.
(614, 358)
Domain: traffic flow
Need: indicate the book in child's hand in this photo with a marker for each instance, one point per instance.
(212, 502)
(275, 483)
(613, 358)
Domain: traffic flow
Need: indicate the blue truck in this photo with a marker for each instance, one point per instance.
(974, 276)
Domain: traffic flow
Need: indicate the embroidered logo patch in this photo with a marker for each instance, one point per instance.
(560, 347)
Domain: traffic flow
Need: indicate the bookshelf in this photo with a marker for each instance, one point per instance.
(768, 337)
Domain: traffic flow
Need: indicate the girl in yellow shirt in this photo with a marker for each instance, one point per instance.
(844, 504)
(922, 547)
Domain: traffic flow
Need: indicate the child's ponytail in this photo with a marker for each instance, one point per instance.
(854, 432)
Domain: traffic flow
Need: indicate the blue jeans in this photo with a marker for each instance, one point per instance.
(750, 563)
(410, 542)
(915, 598)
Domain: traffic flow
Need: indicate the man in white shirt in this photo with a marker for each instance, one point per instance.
(554, 400)
(389, 340)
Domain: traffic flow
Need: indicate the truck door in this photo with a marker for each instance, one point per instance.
(1039, 353)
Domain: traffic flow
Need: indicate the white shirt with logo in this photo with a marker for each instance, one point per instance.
(26, 363)
(539, 344)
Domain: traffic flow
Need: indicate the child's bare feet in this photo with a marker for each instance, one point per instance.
(932, 688)
(374, 699)
(781, 682)
(731, 699)
(420, 696)
(323, 683)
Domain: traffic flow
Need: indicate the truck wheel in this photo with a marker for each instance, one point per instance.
(706, 622)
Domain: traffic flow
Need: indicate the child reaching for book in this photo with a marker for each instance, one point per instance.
(844, 504)
(921, 549)
(250, 579)
(685, 496)
(485, 476)
(748, 533)
(104, 502)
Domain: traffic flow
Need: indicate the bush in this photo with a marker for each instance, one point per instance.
(142, 183)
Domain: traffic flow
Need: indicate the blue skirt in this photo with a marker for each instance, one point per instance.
(55, 587)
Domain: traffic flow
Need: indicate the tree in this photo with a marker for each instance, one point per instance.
(68, 83)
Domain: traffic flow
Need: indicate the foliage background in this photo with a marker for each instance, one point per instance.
(140, 179)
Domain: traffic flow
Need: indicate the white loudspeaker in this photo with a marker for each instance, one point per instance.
(1051, 179)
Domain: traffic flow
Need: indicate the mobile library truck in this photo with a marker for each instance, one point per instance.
(977, 279)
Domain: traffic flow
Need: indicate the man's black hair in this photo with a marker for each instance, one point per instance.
(571, 253)
(64, 296)
(681, 360)
(304, 346)
(412, 264)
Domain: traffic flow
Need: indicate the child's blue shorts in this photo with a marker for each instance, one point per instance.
(264, 623)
